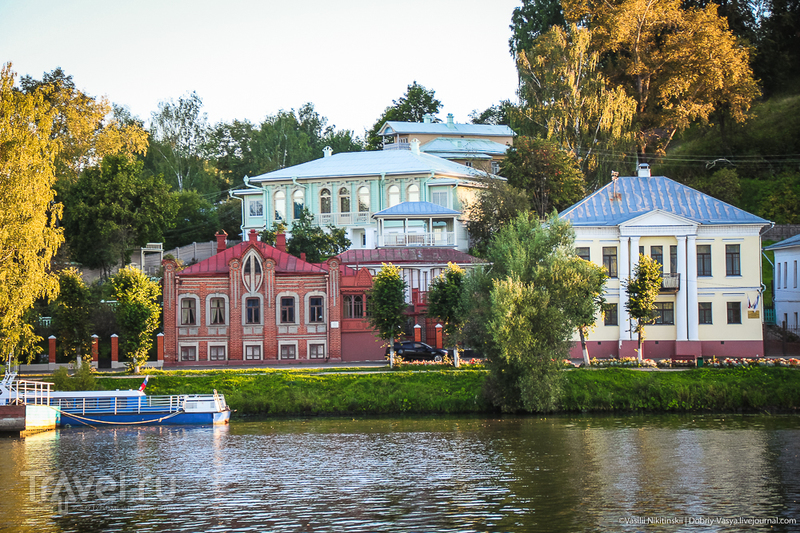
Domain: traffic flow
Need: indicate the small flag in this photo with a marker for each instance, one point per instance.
(749, 305)
(144, 384)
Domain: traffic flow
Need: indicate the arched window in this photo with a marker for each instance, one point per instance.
(298, 200)
(325, 201)
(413, 193)
(344, 200)
(280, 205)
(394, 195)
(251, 273)
(363, 199)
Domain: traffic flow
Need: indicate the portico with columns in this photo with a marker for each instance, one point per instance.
(710, 255)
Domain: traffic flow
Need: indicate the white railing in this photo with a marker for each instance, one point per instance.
(137, 404)
(397, 146)
(344, 219)
(31, 392)
(418, 239)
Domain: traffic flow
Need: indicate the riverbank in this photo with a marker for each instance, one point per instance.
(613, 390)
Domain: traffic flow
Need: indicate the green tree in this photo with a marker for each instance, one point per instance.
(28, 238)
(445, 303)
(589, 300)
(315, 242)
(113, 208)
(496, 115)
(196, 220)
(524, 311)
(386, 306)
(496, 204)
(531, 20)
(70, 314)
(549, 175)
(565, 97)
(411, 107)
(180, 130)
(642, 289)
(138, 313)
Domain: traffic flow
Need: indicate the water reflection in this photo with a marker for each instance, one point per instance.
(423, 474)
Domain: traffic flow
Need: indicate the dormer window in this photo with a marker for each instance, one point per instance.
(252, 273)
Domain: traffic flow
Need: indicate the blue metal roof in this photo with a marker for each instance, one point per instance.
(372, 163)
(442, 128)
(426, 209)
(786, 243)
(636, 196)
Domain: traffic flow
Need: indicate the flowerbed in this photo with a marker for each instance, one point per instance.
(626, 362)
(760, 361)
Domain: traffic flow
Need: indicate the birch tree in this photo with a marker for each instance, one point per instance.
(642, 289)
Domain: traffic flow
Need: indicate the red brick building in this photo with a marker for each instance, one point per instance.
(253, 303)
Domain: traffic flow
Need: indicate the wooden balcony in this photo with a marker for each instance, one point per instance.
(360, 218)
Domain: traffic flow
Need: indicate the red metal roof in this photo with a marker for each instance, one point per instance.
(406, 255)
(285, 263)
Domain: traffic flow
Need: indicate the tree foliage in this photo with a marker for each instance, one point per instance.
(82, 125)
(550, 177)
(28, 236)
(524, 310)
(496, 204)
(113, 208)
(196, 220)
(70, 313)
(565, 97)
(642, 289)
(315, 242)
(446, 302)
(531, 20)
(138, 313)
(411, 107)
(386, 301)
(680, 65)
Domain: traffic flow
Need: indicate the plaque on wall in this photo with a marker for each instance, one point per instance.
(753, 314)
(334, 324)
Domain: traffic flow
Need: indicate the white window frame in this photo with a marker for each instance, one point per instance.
(195, 345)
(307, 310)
(227, 309)
(260, 345)
(297, 309)
(260, 322)
(216, 345)
(197, 310)
(281, 344)
(324, 344)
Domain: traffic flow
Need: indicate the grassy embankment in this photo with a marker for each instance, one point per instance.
(287, 393)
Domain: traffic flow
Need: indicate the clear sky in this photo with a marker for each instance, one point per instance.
(249, 59)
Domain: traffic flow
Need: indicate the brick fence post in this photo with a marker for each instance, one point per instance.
(95, 350)
(417, 333)
(439, 335)
(160, 350)
(114, 351)
(51, 354)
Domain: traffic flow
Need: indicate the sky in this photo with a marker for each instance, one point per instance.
(250, 59)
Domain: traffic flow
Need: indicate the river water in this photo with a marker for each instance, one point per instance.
(679, 473)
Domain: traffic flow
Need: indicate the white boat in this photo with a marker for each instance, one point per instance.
(119, 407)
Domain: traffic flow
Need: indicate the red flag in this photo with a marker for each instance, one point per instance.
(144, 384)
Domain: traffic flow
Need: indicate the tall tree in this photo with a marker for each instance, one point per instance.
(138, 313)
(565, 97)
(550, 176)
(680, 65)
(411, 107)
(113, 208)
(28, 236)
(83, 126)
(70, 314)
(525, 309)
(495, 205)
(531, 20)
(386, 300)
(445, 303)
(589, 300)
(180, 130)
(195, 220)
(642, 289)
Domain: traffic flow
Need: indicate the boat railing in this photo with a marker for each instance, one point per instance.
(30, 392)
(137, 404)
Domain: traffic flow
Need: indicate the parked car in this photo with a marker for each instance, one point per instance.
(417, 351)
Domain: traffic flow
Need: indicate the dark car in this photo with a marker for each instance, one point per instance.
(417, 351)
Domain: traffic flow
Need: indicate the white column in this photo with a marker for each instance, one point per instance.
(680, 304)
(691, 286)
(623, 272)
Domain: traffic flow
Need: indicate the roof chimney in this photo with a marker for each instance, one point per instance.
(221, 237)
(644, 170)
(427, 118)
(450, 120)
(327, 151)
(280, 242)
(302, 256)
(414, 145)
(252, 236)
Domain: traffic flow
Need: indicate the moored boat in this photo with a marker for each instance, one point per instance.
(120, 407)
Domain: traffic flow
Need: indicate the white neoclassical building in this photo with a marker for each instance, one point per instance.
(710, 301)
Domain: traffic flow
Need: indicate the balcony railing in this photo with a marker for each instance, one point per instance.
(397, 146)
(670, 282)
(418, 239)
(344, 219)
